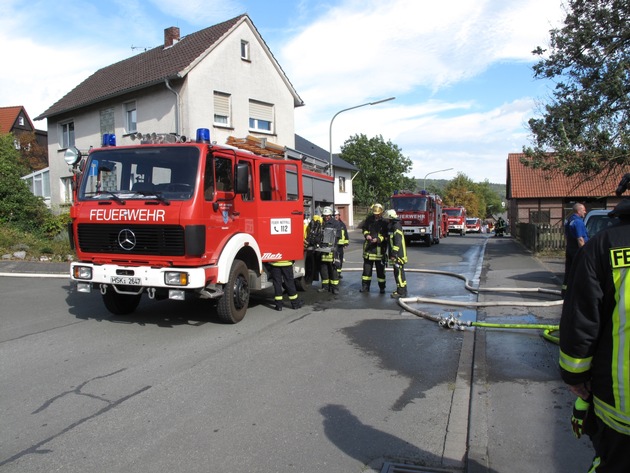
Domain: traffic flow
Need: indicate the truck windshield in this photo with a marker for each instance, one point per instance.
(453, 212)
(163, 173)
(409, 204)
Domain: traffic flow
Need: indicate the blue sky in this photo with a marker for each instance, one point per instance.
(460, 70)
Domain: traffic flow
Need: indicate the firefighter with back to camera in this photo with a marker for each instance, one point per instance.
(328, 249)
(281, 273)
(374, 231)
(595, 341)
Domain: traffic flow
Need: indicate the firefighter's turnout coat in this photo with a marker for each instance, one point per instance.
(595, 323)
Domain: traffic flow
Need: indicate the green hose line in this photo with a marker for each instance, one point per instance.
(526, 326)
(547, 335)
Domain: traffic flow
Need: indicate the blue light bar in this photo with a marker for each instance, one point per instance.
(109, 139)
(203, 135)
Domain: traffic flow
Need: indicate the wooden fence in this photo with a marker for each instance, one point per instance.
(540, 237)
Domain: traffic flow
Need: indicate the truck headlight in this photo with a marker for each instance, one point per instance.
(175, 278)
(82, 272)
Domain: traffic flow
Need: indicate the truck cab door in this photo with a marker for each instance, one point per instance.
(280, 198)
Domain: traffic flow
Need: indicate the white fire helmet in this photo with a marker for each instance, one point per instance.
(391, 214)
(327, 211)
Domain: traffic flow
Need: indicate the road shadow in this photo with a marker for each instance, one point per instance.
(371, 446)
(160, 313)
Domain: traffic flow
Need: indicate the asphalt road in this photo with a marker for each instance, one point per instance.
(344, 384)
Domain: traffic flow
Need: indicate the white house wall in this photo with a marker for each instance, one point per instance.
(223, 70)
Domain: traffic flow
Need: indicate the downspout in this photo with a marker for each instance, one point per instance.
(168, 86)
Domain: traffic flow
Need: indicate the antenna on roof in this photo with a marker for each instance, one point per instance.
(133, 48)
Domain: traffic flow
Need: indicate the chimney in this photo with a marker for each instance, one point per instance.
(171, 36)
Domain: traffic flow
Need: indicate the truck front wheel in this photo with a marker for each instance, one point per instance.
(233, 304)
(120, 304)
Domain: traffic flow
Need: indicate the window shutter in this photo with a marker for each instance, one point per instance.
(260, 111)
(221, 104)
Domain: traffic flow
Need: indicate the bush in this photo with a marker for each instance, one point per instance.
(18, 206)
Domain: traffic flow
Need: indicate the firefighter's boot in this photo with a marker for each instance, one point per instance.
(365, 287)
(335, 289)
(381, 287)
(297, 303)
(278, 305)
(324, 288)
(400, 292)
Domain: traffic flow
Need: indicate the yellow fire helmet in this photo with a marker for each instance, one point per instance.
(377, 209)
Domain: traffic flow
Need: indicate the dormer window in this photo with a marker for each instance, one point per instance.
(245, 50)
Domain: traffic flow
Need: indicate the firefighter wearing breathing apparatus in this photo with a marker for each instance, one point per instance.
(328, 249)
(374, 249)
(595, 341)
(397, 252)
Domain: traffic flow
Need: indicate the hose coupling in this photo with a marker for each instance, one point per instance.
(449, 322)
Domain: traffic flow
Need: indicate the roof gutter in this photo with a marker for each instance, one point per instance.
(168, 86)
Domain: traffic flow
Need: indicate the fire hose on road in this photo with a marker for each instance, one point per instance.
(455, 323)
(452, 322)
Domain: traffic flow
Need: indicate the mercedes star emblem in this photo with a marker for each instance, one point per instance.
(127, 239)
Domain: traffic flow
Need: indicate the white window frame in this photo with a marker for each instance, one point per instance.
(342, 184)
(66, 189)
(131, 117)
(222, 109)
(245, 50)
(66, 134)
(261, 117)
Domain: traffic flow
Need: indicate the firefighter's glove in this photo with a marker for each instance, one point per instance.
(580, 408)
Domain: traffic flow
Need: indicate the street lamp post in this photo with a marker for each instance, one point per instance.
(330, 164)
(424, 184)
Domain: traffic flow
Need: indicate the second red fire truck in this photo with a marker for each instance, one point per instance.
(420, 215)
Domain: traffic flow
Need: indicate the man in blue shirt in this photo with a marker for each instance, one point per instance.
(576, 237)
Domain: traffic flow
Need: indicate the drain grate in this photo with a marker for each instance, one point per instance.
(405, 468)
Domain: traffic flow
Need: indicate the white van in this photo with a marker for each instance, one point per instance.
(596, 220)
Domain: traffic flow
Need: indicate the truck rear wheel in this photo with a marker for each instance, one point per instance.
(120, 304)
(233, 304)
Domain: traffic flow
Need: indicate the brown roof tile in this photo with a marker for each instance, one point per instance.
(8, 117)
(524, 182)
(143, 70)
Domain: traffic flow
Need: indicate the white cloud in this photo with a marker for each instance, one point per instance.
(361, 51)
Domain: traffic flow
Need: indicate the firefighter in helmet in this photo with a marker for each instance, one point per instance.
(374, 231)
(328, 249)
(397, 252)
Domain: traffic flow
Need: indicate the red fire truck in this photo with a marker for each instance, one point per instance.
(420, 216)
(456, 217)
(183, 219)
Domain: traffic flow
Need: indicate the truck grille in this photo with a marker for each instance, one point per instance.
(158, 240)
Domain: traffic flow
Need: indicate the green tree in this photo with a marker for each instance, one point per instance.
(18, 206)
(584, 127)
(382, 167)
(460, 191)
(488, 199)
